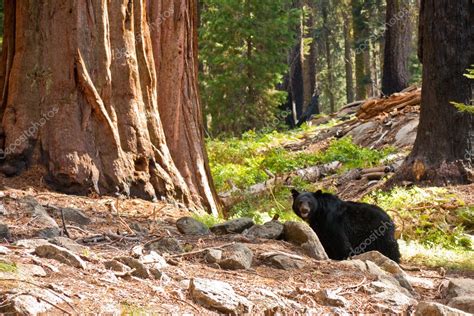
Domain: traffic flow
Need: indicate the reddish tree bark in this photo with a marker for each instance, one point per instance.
(174, 38)
(81, 97)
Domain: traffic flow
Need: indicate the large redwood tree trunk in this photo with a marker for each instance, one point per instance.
(174, 38)
(442, 152)
(80, 96)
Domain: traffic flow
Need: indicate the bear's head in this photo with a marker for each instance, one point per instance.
(304, 203)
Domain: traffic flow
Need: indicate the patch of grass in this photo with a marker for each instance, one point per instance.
(433, 216)
(244, 162)
(417, 253)
(8, 267)
(207, 219)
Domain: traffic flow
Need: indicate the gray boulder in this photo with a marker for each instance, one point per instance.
(60, 254)
(235, 226)
(302, 235)
(166, 245)
(235, 257)
(190, 226)
(218, 296)
(269, 230)
(436, 309)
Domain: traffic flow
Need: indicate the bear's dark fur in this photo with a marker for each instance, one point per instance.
(346, 229)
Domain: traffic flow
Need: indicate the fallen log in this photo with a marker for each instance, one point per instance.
(310, 174)
(374, 107)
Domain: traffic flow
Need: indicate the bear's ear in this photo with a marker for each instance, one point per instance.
(294, 193)
(319, 192)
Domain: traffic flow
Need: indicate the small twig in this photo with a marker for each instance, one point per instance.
(199, 251)
(77, 228)
(64, 224)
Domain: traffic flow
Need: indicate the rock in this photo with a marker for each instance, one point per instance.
(5, 232)
(387, 265)
(116, 266)
(329, 298)
(31, 270)
(140, 270)
(269, 230)
(407, 134)
(459, 287)
(48, 232)
(302, 235)
(436, 309)
(166, 245)
(74, 215)
(155, 260)
(383, 276)
(283, 262)
(359, 133)
(70, 244)
(4, 250)
(37, 211)
(387, 292)
(3, 210)
(29, 304)
(190, 226)
(274, 304)
(235, 226)
(31, 243)
(235, 257)
(159, 275)
(219, 296)
(60, 254)
(464, 303)
(213, 255)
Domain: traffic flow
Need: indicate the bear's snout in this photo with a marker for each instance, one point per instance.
(304, 210)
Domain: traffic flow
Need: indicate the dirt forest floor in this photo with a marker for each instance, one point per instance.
(97, 290)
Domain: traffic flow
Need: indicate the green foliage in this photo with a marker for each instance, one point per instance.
(243, 53)
(426, 215)
(8, 267)
(207, 219)
(264, 207)
(435, 256)
(465, 107)
(246, 161)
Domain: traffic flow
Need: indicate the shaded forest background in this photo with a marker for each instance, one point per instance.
(269, 64)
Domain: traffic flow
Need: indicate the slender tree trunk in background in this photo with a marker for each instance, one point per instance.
(173, 26)
(295, 82)
(368, 78)
(445, 135)
(361, 47)
(309, 61)
(397, 47)
(327, 46)
(348, 57)
(81, 97)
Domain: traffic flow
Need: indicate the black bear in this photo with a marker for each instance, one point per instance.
(347, 229)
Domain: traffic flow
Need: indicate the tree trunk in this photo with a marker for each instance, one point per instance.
(175, 53)
(327, 44)
(348, 58)
(81, 98)
(362, 44)
(398, 34)
(445, 136)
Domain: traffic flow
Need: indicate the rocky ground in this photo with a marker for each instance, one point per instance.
(64, 254)
(129, 256)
